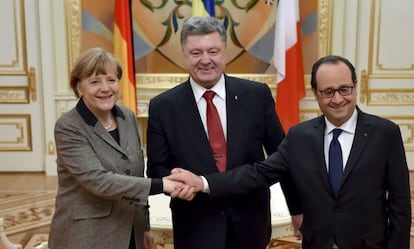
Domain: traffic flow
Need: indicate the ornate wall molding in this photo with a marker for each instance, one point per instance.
(14, 95)
(13, 60)
(74, 29)
(325, 27)
(387, 76)
(406, 124)
(16, 132)
(395, 97)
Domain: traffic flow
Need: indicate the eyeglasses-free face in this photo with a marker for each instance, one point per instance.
(330, 92)
(204, 57)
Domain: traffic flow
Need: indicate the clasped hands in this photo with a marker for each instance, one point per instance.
(182, 184)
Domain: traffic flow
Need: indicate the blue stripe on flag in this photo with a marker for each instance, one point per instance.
(209, 6)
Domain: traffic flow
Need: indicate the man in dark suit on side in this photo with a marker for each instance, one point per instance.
(178, 136)
(364, 205)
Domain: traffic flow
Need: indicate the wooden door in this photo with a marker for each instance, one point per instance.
(22, 144)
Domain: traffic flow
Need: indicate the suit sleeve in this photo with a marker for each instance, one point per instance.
(273, 137)
(157, 146)
(248, 177)
(274, 133)
(399, 197)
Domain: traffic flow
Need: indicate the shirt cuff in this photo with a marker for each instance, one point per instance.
(206, 188)
(156, 186)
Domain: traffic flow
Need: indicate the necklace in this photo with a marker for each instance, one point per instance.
(109, 126)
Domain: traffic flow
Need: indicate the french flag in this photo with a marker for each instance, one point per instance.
(289, 63)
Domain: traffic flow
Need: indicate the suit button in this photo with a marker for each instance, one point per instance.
(128, 172)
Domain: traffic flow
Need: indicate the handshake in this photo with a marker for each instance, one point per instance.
(182, 184)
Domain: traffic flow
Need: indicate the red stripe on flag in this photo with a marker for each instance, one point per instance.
(123, 51)
(291, 86)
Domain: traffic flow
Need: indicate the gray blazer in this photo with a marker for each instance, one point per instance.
(102, 193)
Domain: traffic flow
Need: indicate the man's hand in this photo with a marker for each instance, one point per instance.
(297, 222)
(187, 177)
(192, 184)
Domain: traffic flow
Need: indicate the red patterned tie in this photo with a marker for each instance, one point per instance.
(215, 132)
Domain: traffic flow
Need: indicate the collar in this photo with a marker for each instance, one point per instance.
(90, 118)
(349, 126)
(219, 88)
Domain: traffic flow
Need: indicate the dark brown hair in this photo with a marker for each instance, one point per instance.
(331, 59)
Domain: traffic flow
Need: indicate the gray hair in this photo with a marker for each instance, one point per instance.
(201, 25)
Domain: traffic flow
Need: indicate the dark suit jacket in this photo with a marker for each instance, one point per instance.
(176, 138)
(372, 209)
(99, 197)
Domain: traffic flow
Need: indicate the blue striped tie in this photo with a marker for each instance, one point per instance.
(335, 161)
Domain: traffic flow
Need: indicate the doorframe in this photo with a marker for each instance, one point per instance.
(52, 54)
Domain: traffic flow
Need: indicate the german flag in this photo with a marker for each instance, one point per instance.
(124, 52)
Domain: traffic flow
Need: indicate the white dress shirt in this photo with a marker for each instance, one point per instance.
(345, 139)
(219, 101)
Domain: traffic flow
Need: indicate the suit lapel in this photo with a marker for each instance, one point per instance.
(358, 145)
(105, 136)
(124, 136)
(193, 126)
(319, 153)
(235, 115)
(92, 123)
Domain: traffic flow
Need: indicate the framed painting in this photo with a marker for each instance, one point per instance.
(156, 29)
